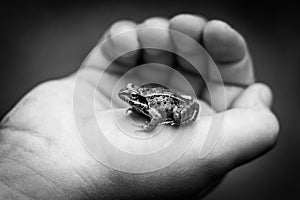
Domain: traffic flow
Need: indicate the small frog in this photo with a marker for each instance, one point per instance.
(160, 104)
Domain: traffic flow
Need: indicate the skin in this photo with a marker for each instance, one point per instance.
(42, 157)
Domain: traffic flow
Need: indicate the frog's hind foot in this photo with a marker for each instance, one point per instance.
(142, 127)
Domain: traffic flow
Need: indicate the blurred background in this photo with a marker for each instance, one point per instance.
(44, 40)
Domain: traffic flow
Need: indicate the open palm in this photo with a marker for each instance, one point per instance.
(58, 156)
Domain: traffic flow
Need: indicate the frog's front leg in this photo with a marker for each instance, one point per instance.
(155, 119)
(132, 110)
(129, 111)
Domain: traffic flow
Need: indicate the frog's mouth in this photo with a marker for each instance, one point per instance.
(123, 95)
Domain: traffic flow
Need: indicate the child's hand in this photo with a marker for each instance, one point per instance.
(42, 155)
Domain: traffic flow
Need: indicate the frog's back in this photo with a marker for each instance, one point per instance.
(163, 100)
(162, 94)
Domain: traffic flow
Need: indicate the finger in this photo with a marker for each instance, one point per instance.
(119, 39)
(187, 48)
(250, 128)
(229, 50)
(192, 26)
(123, 39)
(96, 57)
(154, 33)
(257, 96)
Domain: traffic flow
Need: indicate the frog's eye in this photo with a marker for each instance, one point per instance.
(134, 96)
(129, 85)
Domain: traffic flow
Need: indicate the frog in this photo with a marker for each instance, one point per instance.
(161, 105)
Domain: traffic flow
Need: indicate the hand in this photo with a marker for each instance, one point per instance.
(40, 142)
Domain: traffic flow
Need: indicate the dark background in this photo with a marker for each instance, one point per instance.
(45, 40)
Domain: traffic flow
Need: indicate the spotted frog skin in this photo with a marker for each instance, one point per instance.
(160, 104)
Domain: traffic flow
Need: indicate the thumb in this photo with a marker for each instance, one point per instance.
(250, 128)
(257, 96)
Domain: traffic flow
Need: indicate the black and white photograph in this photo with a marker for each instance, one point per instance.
(169, 99)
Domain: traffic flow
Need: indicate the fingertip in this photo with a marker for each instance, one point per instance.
(265, 94)
(154, 37)
(190, 25)
(154, 31)
(223, 42)
(256, 96)
(272, 127)
(122, 26)
(155, 22)
(186, 31)
(123, 37)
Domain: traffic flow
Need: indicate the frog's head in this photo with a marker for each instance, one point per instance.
(132, 95)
